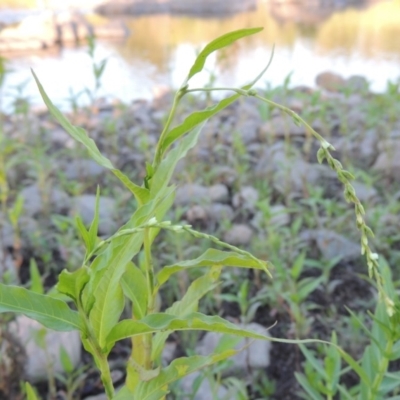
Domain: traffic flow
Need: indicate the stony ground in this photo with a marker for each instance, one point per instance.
(253, 180)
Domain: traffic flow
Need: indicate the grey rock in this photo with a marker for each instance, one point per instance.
(225, 175)
(280, 126)
(294, 178)
(191, 193)
(218, 193)
(357, 83)
(51, 200)
(196, 213)
(246, 198)
(255, 356)
(218, 212)
(388, 161)
(273, 158)
(8, 270)
(239, 235)
(279, 215)
(61, 139)
(85, 205)
(83, 169)
(249, 130)
(25, 330)
(365, 193)
(168, 353)
(204, 392)
(330, 81)
(332, 244)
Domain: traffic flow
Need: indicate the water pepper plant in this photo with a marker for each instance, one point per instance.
(108, 279)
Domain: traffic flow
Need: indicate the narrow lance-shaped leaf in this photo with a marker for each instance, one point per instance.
(72, 283)
(81, 136)
(52, 313)
(36, 278)
(30, 393)
(209, 258)
(157, 387)
(217, 44)
(164, 172)
(133, 283)
(198, 117)
(159, 322)
(188, 304)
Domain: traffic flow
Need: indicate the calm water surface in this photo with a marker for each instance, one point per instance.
(161, 48)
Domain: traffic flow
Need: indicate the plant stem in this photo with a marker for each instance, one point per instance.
(148, 339)
(159, 148)
(383, 365)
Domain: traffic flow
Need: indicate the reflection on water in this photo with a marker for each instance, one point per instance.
(161, 48)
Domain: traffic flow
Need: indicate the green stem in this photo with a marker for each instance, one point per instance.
(159, 147)
(98, 355)
(148, 339)
(383, 366)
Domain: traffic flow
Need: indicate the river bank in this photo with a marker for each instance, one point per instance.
(253, 180)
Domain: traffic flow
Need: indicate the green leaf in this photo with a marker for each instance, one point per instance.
(305, 384)
(160, 322)
(188, 304)
(36, 279)
(72, 283)
(81, 136)
(30, 393)
(195, 119)
(216, 44)
(66, 362)
(298, 265)
(92, 234)
(307, 286)
(167, 166)
(156, 388)
(313, 361)
(83, 232)
(52, 313)
(133, 283)
(209, 258)
(108, 298)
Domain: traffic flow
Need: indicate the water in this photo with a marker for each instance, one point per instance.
(161, 48)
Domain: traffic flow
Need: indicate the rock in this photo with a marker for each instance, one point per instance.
(357, 83)
(332, 244)
(189, 385)
(37, 201)
(388, 161)
(239, 235)
(196, 213)
(168, 353)
(191, 193)
(224, 174)
(255, 356)
(218, 193)
(84, 206)
(28, 332)
(8, 270)
(200, 8)
(81, 169)
(294, 178)
(12, 363)
(219, 212)
(61, 139)
(246, 198)
(330, 81)
(366, 193)
(280, 126)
